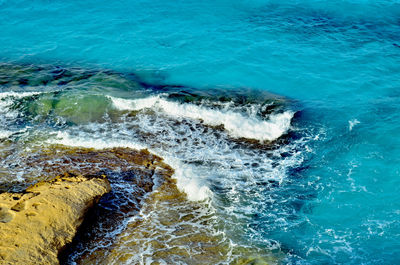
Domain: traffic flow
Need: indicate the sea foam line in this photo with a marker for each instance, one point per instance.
(187, 181)
(6, 98)
(18, 94)
(235, 123)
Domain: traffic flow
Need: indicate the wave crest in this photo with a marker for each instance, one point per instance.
(236, 124)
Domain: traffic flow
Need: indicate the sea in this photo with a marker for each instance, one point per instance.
(281, 120)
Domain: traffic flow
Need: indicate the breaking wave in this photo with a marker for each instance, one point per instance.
(237, 124)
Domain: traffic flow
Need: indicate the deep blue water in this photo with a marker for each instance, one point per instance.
(338, 60)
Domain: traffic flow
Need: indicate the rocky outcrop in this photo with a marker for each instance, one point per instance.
(36, 224)
(49, 221)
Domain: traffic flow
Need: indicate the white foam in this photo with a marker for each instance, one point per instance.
(237, 124)
(5, 134)
(136, 104)
(353, 123)
(6, 99)
(187, 181)
(18, 94)
(64, 138)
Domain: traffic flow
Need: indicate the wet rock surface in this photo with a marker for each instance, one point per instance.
(133, 175)
(173, 230)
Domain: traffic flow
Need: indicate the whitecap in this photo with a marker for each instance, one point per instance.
(236, 124)
(353, 123)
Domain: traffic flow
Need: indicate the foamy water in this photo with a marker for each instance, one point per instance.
(5, 134)
(188, 182)
(235, 123)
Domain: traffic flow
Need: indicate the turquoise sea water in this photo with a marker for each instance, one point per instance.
(337, 64)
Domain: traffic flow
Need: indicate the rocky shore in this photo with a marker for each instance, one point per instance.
(85, 216)
(36, 224)
(42, 221)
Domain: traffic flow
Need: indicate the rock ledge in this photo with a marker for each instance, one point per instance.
(36, 224)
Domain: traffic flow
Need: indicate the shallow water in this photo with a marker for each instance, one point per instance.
(324, 191)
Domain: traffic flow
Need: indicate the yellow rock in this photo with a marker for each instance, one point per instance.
(5, 214)
(37, 224)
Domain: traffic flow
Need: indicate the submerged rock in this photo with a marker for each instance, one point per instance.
(66, 107)
(28, 76)
(36, 224)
